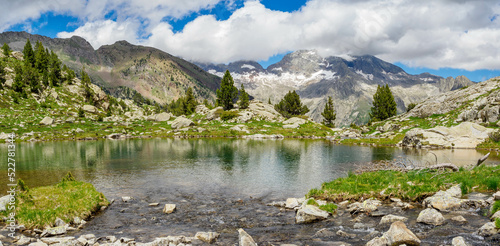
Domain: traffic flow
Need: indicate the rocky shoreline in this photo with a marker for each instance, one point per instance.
(446, 218)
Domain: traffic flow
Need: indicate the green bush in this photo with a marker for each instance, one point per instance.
(227, 115)
(497, 223)
(496, 207)
(410, 107)
(312, 202)
(81, 113)
(329, 207)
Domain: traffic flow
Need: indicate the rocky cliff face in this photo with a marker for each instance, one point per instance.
(351, 81)
(155, 74)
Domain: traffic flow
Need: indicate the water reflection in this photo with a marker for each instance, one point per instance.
(282, 167)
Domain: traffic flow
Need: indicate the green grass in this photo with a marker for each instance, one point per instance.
(40, 206)
(329, 207)
(497, 223)
(312, 202)
(395, 184)
(496, 207)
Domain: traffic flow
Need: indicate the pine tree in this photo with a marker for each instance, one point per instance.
(55, 69)
(6, 49)
(88, 93)
(18, 84)
(329, 114)
(244, 98)
(2, 74)
(384, 105)
(41, 59)
(31, 78)
(227, 92)
(291, 105)
(189, 101)
(29, 55)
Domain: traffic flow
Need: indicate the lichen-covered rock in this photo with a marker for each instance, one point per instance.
(207, 237)
(488, 229)
(89, 108)
(445, 200)
(459, 241)
(47, 121)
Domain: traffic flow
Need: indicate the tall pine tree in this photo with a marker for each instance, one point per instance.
(190, 102)
(227, 92)
(6, 50)
(384, 105)
(29, 55)
(18, 84)
(41, 59)
(244, 98)
(55, 69)
(329, 114)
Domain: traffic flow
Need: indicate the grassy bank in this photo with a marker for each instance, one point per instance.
(39, 207)
(410, 186)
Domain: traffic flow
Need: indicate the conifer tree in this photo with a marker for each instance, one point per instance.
(29, 55)
(6, 49)
(189, 102)
(329, 114)
(384, 105)
(291, 105)
(31, 78)
(244, 99)
(18, 84)
(2, 74)
(41, 59)
(227, 92)
(55, 69)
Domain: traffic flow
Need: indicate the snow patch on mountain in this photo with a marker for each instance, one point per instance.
(250, 67)
(366, 76)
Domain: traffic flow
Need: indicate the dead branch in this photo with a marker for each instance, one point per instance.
(442, 166)
(482, 159)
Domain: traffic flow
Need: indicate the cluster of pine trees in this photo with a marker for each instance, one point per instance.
(185, 105)
(40, 69)
(227, 94)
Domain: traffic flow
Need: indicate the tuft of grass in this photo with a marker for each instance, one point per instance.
(497, 223)
(413, 185)
(312, 202)
(329, 207)
(39, 207)
(228, 115)
(496, 207)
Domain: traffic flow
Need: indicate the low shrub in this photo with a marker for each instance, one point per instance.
(228, 115)
(494, 136)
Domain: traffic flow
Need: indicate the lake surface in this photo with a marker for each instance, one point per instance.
(217, 184)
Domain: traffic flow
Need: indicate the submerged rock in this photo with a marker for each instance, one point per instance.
(392, 218)
(431, 216)
(488, 229)
(459, 241)
(245, 239)
(309, 214)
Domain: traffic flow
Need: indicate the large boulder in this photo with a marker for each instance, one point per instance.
(47, 121)
(430, 216)
(465, 135)
(388, 219)
(264, 111)
(214, 113)
(181, 122)
(294, 120)
(161, 117)
(367, 206)
(488, 229)
(445, 200)
(459, 241)
(244, 116)
(201, 109)
(398, 234)
(309, 214)
(207, 237)
(89, 109)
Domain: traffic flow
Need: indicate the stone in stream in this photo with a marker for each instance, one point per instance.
(459, 241)
(459, 219)
(341, 233)
(398, 234)
(392, 218)
(168, 208)
(496, 196)
(154, 204)
(126, 198)
(54, 240)
(431, 216)
(245, 239)
(207, 237)
(495, 216)
(445, 200)
(292, 203)
(488, 229)
(309, 214)
(54, 231)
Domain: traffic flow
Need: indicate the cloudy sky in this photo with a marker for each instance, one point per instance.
(443, 37)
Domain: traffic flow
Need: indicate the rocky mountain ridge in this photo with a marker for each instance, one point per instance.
(153, 73)
(351, 81)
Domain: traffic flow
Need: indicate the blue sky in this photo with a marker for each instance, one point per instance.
(436, 40)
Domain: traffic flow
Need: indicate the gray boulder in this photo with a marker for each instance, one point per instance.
(181, 122)
(392, 218)
(207, 237)
(47, 121)
(488, 229)
(89, 109)
(445, 200)
(214, 113)
(201, 109)
(398, 234)
(459, 241)
(431, 216)
(309, 214)
(294, 120)
(291, 126)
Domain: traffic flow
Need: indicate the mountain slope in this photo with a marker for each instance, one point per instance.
(351, 82)
(155, 74)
